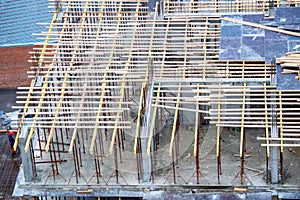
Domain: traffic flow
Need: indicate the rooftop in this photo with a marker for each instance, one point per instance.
(19, 21)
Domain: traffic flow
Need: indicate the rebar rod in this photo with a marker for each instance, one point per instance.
(267, 169)
(197, 157)
(96, 162)
(281, 167)
(177, 138)
(62, 140)
(57, 144)
(78, 152)
(75, 163)
(242, 172)
(173, 166)
(152, 160)
(39, 142)
(82, 139)
(51, 159)
(100, 143)
(55, 161)
(119, 142)
(138, 159)
(33, 163)
(116, 171)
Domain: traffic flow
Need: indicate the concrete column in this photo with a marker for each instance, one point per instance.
(26, 159)
(274, 154)
(146, 159)
(145, 133)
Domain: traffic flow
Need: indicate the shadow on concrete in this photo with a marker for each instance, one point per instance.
(7, 100)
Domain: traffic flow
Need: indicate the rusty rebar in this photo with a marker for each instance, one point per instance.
(219, 161)
(51, 159)
(197, 157)
(97, 163)
(138, 159)
(100, 143)
(243, 159)
(116, 163)
(39, 142)
(57, 144)
(173, 166)
(267, 168)
(33, 163)
(119, 144)
(79, 152)
(75, 164)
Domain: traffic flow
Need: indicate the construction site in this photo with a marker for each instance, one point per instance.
(193, 99)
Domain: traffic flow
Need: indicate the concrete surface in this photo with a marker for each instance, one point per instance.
(7, 100)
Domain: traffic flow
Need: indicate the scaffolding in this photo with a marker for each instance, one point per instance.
(116, 87)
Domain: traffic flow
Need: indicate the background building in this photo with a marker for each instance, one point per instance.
(18, 23)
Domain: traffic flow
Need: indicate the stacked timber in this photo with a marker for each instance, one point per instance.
(290, 63)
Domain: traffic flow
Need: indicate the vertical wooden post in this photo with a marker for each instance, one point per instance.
(242, 142)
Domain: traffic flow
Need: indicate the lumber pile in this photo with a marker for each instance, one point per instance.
(290, 64)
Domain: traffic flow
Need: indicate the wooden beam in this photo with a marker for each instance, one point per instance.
(174, 127)
(153, 122)
(280, 121)
(278, 30)
(243, 120)
(266, 118)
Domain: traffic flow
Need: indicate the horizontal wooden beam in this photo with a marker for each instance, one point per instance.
(278, 30)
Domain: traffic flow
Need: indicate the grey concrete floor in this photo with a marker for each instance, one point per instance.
(255, 163)
(185, 170)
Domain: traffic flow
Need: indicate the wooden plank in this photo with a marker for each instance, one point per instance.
(153, 122)
(280, 145)
(23, 115)
(266, 118)
(280, 121)
(174, 127)
(140, 110)
(85, 127)
(279, 139)
(243, 120)
(261, 26)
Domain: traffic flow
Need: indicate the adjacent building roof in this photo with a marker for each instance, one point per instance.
(19, 21)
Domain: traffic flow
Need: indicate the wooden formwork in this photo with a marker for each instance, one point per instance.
(204, 7)
(99, 58)
(290, 64)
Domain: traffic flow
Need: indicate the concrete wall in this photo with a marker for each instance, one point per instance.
(14, 66)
